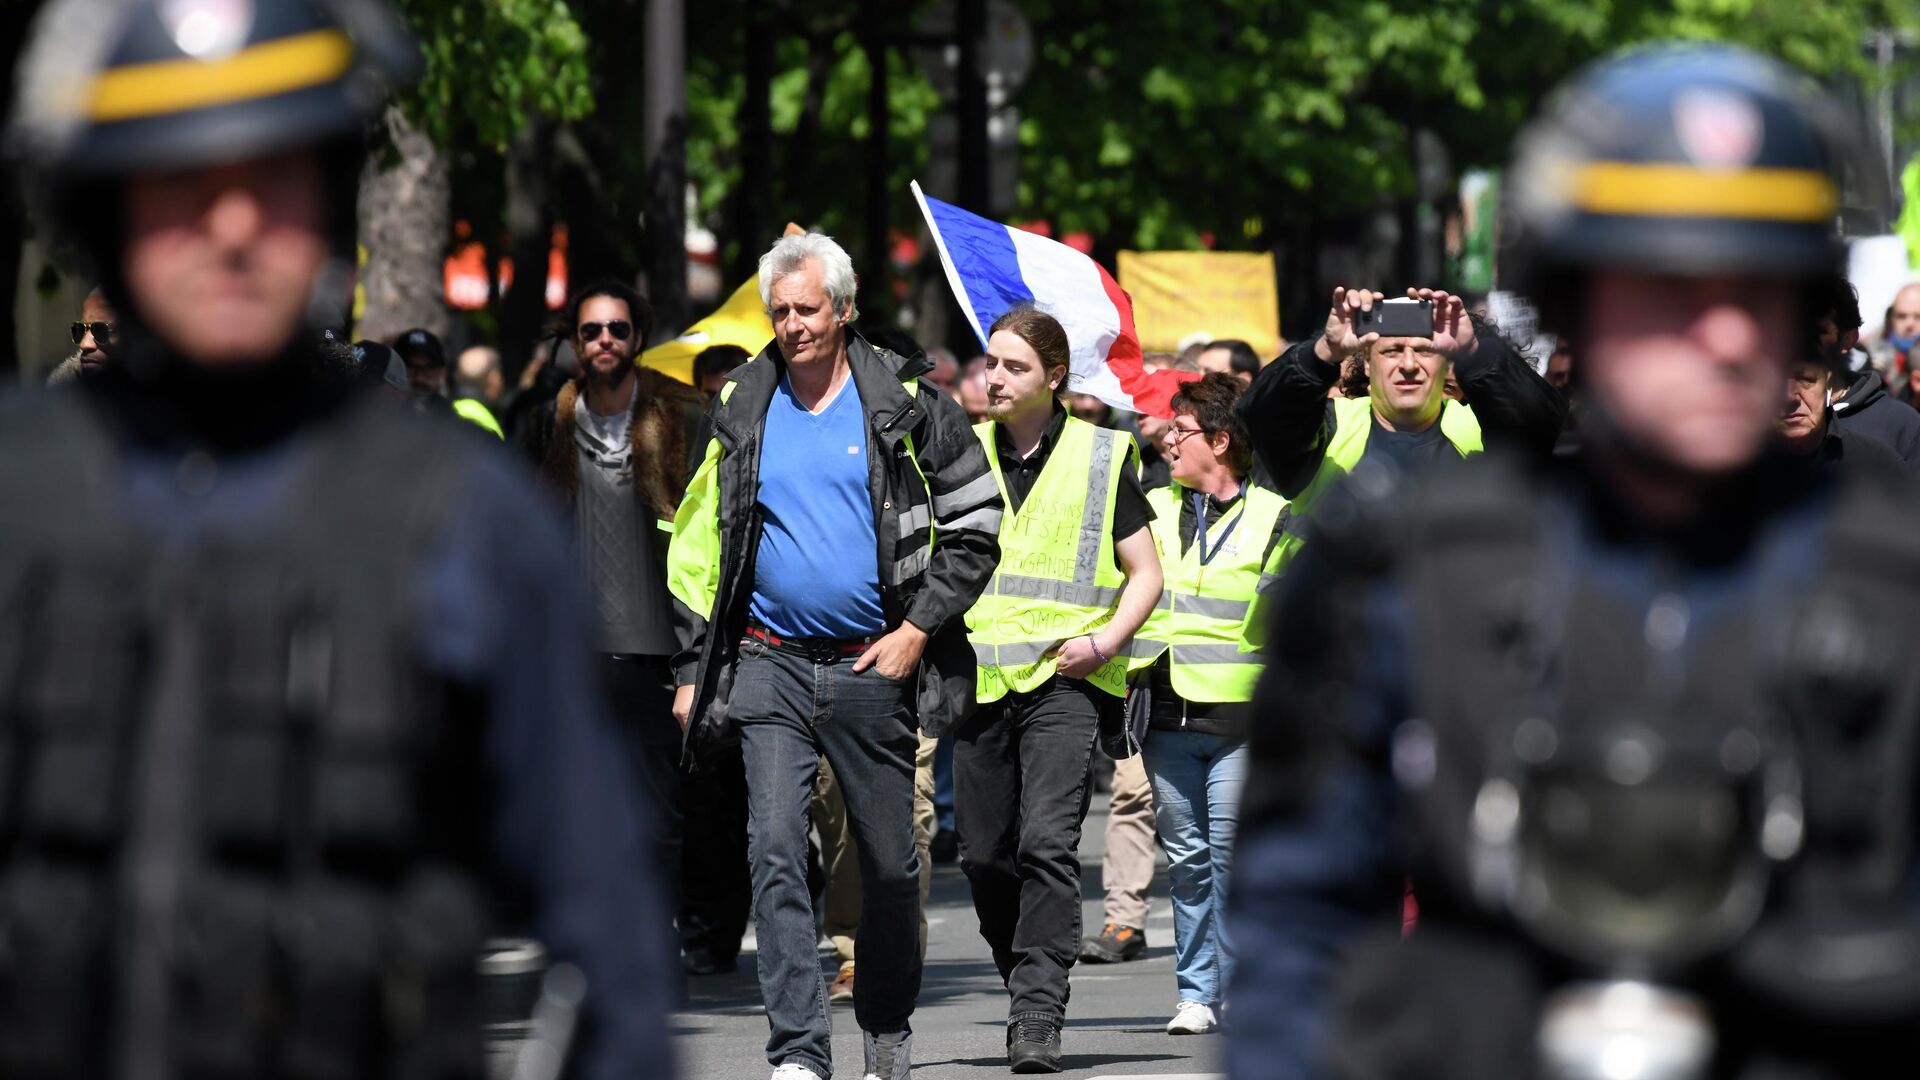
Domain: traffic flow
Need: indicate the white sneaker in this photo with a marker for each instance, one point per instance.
(793, 1070)
(889, 1057)
(1192, 1018)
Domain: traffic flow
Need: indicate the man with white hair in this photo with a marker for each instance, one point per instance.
(841, 525)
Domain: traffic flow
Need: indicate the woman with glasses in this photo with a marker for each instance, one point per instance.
(1217, 533)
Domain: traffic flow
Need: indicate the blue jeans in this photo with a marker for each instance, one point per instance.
(791, 708)
(1196, 800)
(943, 784)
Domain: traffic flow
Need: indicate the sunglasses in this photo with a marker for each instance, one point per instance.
(619, 328)
(101, 331)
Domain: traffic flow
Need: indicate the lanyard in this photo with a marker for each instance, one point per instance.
(1200, 526)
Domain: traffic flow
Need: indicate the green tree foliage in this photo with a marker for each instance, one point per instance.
(1166, 120)
(492, 64)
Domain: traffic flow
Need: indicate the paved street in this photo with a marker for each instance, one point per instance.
(1115, 1027)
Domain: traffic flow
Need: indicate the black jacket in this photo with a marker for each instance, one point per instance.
(928, 474)
(1292, 421)
(1870, 412)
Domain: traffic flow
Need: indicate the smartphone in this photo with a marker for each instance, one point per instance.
(1398, 318)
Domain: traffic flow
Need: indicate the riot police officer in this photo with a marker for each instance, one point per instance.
(294, 706)
(1637, 725)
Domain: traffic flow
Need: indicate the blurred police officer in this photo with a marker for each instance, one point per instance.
(294, 707)
(1657, 804)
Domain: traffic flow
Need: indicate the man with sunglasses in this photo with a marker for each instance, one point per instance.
(619, 443)
(92, 341)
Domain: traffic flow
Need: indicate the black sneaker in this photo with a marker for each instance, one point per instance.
(1033, 1045)
(1116, 945)
(703, 961)
(945, 847)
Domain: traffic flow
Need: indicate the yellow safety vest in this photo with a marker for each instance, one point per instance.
(1209, 613)
(1056, 580)
(1353, 422)
(476, 413)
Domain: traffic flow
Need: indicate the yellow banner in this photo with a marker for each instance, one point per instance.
(1222, 294)
(741, 321)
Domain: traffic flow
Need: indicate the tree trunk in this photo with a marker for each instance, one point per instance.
(752, 230)
(666, 135)
(404, 229)
(523, 311)
(15, 19)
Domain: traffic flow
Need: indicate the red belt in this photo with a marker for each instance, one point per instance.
(840, 646)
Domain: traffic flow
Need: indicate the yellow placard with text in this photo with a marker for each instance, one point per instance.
(1222, 294)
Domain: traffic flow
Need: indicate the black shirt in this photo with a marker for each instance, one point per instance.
(1405, 448)
(1130, 510)
(1216, 510)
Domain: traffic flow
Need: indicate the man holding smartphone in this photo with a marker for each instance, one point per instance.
(1310, 443)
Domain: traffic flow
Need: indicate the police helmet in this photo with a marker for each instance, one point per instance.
(1692, 159)
(114, 86)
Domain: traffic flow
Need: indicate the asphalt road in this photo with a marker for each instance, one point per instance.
(1116, 1025)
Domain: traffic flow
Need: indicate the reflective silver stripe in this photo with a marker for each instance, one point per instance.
(986, 519)
(1166, 601)
(915, 519)
(1214, 654)
(1268, 582)
(1033, 588)
(1017, 654)
(915, 563)
(1094, 519)
(1231, 610)
(978, 490)
(1143, 648)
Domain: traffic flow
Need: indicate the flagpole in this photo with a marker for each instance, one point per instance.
(946, 261)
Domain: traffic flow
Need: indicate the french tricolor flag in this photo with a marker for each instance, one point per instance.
(993, 267)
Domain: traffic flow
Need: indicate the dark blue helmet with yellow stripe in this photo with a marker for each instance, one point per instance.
(113, 86)
(1694, 160)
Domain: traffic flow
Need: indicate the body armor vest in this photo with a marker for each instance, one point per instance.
(1602, 788)
(240, 828)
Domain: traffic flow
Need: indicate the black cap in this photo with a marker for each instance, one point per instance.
(420, 342)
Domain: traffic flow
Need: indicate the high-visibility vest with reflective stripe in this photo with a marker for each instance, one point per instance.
(1057, 579)
(1207, 610)
(1353, 422)
(477, 414)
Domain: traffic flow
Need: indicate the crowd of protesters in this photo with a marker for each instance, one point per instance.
(1049, 577)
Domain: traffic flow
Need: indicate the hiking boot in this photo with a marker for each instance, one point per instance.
(842, 988)
(1033, 1045)
(889, 1057)
(1116, 945)
(1192, 1018)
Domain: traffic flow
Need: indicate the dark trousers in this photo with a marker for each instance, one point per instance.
(1021, 784)
(791, 708)
(716, 890)
(641, 690)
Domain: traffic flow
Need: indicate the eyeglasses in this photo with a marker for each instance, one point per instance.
(101, 331)
(1181, 433)
(619, 328)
